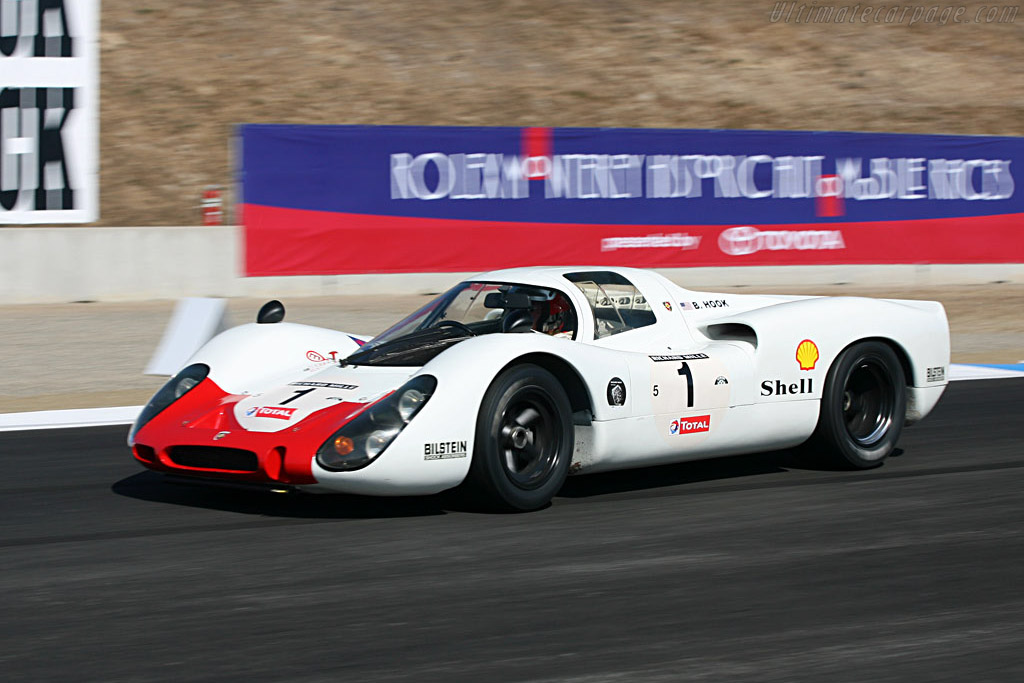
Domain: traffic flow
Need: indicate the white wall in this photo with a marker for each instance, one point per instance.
(59, 264)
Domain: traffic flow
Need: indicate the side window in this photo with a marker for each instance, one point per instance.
(617, 304)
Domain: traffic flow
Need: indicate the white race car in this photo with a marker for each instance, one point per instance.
(516, 378)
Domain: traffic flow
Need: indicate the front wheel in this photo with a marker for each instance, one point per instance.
(862, 408)
(524, 440)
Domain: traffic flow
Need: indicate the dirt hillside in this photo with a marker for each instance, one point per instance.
(177, 77)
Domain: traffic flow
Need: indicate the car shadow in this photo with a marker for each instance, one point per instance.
(677, 474)
(156, 488)
(699, 471)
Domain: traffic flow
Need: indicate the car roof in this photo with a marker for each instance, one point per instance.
(553, 275)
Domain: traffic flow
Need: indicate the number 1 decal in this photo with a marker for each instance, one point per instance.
(685, 372)
(299, 393)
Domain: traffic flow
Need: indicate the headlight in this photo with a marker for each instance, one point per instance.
(183, 386)
(360, 441)
(409, 402)
(178, 386)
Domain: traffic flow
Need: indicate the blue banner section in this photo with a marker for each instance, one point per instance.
(629, 176)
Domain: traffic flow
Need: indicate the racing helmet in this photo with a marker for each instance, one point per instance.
(554, 315)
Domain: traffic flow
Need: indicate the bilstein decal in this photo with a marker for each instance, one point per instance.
(444, 450)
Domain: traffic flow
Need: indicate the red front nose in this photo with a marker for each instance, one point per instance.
(199, 436)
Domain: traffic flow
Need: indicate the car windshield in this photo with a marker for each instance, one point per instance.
(475, 308)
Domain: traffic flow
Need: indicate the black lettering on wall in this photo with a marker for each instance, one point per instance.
(64, 45)
(49, 107)
(10, 32)
(43, 45)
(51, 148)
(9, 186)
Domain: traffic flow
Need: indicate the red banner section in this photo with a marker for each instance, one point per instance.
(305, 242)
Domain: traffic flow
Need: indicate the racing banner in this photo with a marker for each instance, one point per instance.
(320, 200)
(49, 104)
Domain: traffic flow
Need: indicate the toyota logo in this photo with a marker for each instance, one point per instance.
(739, 241)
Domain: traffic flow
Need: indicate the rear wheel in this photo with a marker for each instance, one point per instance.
(524, 440)
(862, 408)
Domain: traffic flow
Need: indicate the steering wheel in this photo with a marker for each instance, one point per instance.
(455, 323)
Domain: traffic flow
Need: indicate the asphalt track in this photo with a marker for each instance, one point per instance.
(750, 568)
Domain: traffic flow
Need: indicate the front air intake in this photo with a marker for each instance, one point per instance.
(214, 458)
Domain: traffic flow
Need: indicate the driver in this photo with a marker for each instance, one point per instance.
(553, 316)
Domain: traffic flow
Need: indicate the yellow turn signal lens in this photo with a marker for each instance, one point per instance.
(343, 445)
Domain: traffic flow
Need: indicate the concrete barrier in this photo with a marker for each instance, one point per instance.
(60, 264)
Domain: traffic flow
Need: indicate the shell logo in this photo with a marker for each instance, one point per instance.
(807, 354)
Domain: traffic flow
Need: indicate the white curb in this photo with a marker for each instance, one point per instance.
(962, 372)
(62, 419)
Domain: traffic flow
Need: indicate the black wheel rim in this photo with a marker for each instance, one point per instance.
(868, 401)
(529, 439)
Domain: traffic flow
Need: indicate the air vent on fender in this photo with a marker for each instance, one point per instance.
(731, 332)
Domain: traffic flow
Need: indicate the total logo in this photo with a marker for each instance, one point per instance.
(690, 425)
(267, 411)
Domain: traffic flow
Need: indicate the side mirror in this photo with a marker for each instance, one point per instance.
(271, 312)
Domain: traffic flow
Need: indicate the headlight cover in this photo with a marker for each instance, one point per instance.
(360, 441)
(178, 386)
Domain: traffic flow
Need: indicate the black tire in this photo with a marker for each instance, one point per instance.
(524, 441)
(862, 408)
